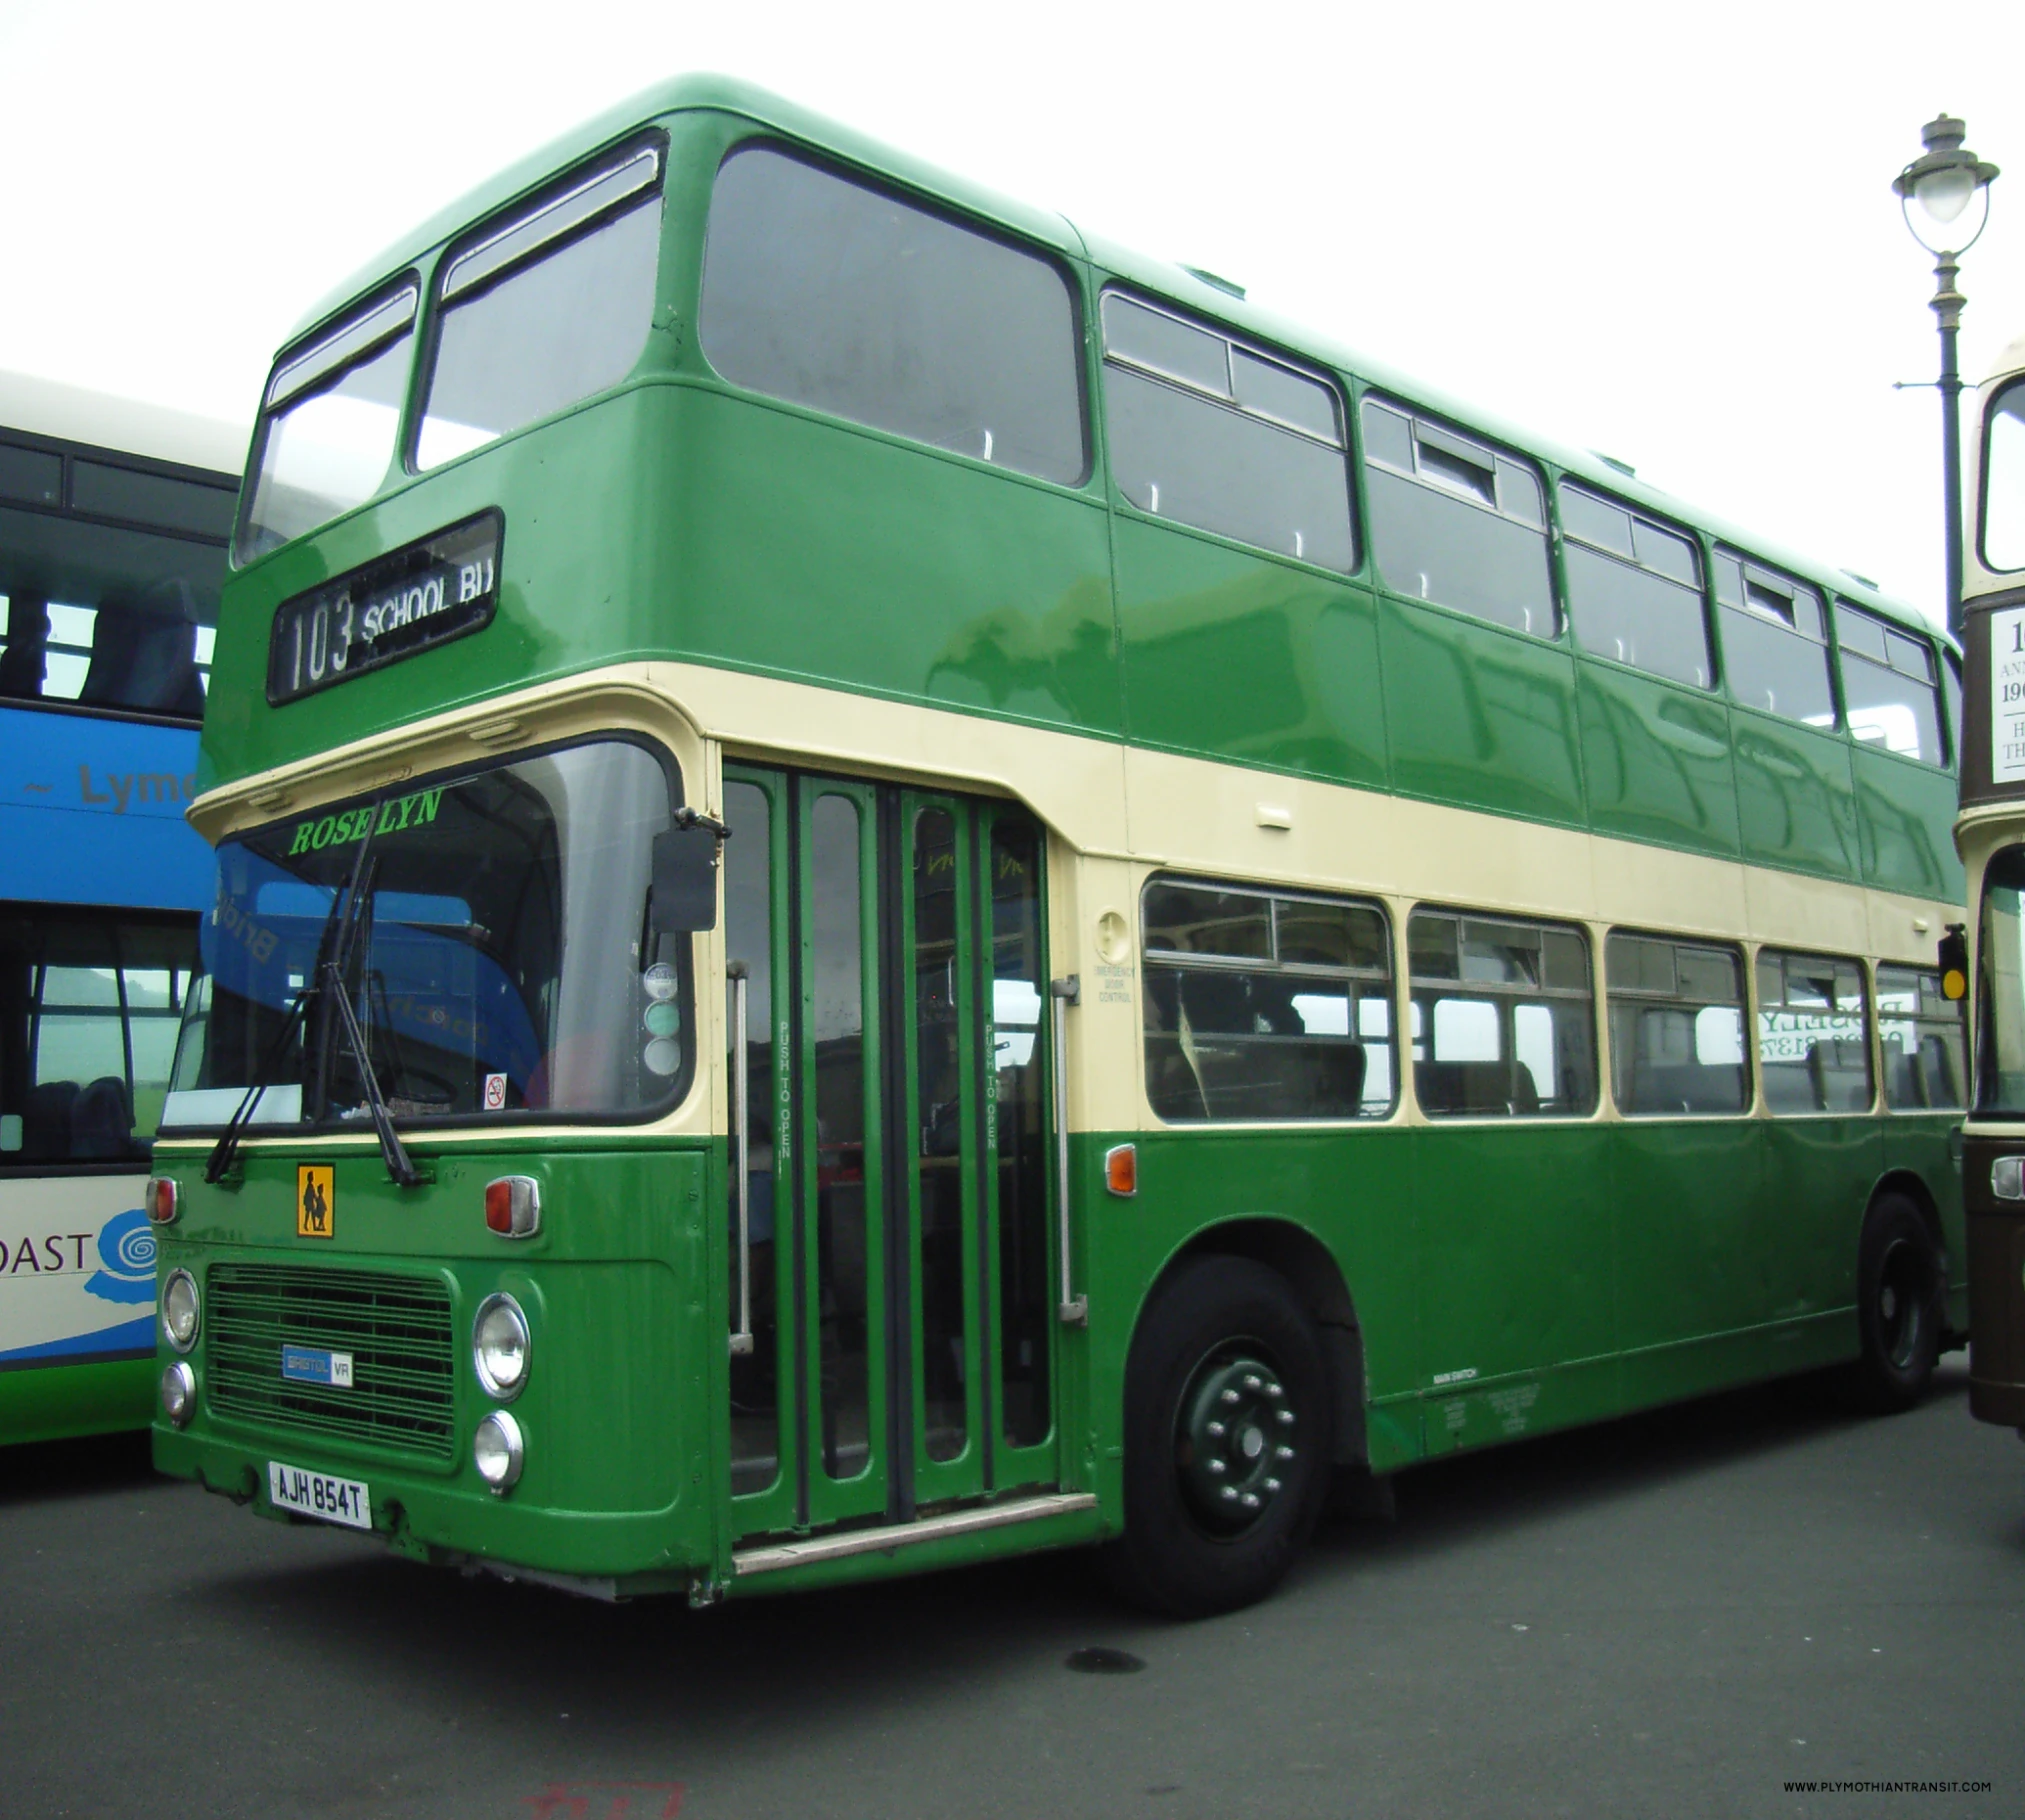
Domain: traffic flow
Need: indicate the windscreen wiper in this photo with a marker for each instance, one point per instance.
(333, 945)
(227, 1147)
(399, 1165)
(357, 913)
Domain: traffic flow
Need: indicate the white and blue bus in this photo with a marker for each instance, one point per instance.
(113, 523)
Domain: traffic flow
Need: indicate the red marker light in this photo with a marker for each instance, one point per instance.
(160, 1199)
(513, 1206)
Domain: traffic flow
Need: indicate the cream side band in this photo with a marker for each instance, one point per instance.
(1116, 815)
(1107, 800)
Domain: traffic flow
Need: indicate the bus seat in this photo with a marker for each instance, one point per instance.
(45, 1121)
(23, 661)
(1335, 1072)
(102, 1120)
(1687, 1087)
(1218, 1004)
(1789, 1087)
(1475, 1089)
(1938, 1085)
(144, 654)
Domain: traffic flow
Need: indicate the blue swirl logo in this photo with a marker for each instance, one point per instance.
(126, 1249)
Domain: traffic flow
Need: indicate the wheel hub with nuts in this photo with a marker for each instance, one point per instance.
(1235, 1439)
(1901, 1324)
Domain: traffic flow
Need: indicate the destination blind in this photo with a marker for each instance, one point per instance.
(418, 597)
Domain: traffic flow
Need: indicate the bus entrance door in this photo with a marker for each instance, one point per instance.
(895, 1252)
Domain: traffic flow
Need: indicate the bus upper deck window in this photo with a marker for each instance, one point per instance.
(846, 300)
(1212, 434)
(544, 308)
(2003, 514)
(328, 424)
(1456, 522)
(1634, 589)
(1775, 642)
(1890, 683)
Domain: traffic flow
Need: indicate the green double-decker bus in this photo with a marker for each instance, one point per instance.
(897, 886)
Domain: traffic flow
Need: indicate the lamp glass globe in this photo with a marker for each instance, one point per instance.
(1944, 194)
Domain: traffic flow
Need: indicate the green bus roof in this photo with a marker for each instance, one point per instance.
(1181, 285)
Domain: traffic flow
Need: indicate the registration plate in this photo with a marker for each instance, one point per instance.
(319, 1495)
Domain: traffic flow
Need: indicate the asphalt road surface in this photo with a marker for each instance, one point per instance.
(1680, 1614)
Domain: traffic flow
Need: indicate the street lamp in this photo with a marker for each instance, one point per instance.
(1945, 180)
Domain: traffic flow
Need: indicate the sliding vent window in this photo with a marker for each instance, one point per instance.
(1634, 589)
(1775, 642)
(1813, 1043)
(1891, 686)
(545, 309)
(841, 298)
(1503, 1025)
(328, 424)
(1456, 522)
(1920, 1031)
(1261, 1006)
(1676, 1028)
(1213, 434)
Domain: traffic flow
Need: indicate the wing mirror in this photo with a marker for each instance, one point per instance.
(685, 873)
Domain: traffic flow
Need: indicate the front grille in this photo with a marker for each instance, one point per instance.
(397, 1329)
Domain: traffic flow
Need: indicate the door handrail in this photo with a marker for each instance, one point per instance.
(741, 1341)
(1073, 1309)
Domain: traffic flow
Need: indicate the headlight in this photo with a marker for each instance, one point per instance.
(499, 1346)
(179, 1392)
(180, 1310)
(496, 1450)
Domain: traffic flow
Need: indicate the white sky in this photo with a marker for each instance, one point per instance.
(1666, 233)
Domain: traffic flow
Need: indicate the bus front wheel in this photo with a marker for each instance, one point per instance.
(1898, 1306)
(1227, 1440)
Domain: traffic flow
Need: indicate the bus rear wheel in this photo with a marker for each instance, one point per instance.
(1898, 1306)
(1227, 1440)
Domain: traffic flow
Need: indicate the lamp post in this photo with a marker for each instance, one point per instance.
(1944, 180)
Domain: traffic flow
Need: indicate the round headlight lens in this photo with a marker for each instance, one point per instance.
(496, 1450)
(499, 1346)
(179, 1392)
(180, 1310)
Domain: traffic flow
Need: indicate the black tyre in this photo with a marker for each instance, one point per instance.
(1227, 1440)
(1899, 1306)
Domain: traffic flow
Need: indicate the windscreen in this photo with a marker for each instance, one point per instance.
(543, 311)
(329, 424)
(500, 953)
